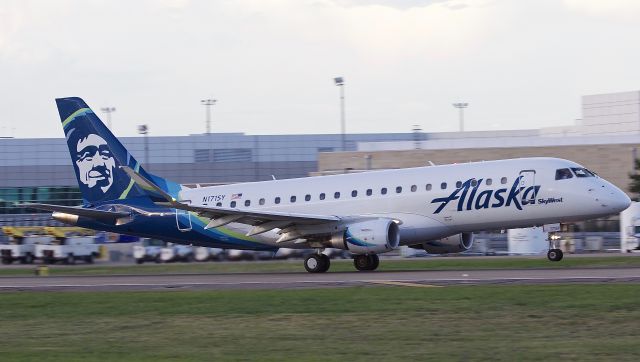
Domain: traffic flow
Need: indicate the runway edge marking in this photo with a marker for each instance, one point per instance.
(403, 284)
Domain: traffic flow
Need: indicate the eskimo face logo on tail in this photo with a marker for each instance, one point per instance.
(470, 198)
(95, 162)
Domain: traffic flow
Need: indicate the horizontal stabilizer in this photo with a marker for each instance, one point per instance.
(101, 215)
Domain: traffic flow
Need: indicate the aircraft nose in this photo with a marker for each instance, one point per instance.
(615, 199)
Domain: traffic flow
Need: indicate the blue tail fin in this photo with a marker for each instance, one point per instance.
(97, 155)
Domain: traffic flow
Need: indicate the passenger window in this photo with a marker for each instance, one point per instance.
(398, 189)
(219, 204)
(428, 187)
(277, 200)
(443, 185)
(458, 184)
(489, 182)
(307, 197)
(292, 199)
(322, 196)
(336, 195)
(414, 188)
(474, 183)
(369, 192)
(563, 174)
(383, 191)
(503, 180)
(261, 201)
(233, 204)
(247, 202)
(354, 193)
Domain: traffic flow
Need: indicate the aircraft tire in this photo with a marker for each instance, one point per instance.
(555, 255)
(375, 261)
(366, 262)
(326, 262)
(315, 263)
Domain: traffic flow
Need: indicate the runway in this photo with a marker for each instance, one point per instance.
(424, 278)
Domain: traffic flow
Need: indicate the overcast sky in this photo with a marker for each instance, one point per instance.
(270, 63)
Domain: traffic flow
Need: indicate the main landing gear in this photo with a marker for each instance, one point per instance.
(317, 263)
(368, 262)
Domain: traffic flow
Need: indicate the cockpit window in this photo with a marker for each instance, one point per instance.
(563, 174)
(582, 172)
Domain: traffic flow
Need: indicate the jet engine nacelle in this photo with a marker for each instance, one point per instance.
(451, 244)
(368, 237)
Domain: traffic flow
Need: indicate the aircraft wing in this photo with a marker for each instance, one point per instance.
(101, 215)
(291, 225)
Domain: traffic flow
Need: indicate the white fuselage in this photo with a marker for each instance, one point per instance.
(431, 202)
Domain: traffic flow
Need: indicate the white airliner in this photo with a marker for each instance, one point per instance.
(436, 208)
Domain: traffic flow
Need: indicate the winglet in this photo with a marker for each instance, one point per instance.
(148, 185)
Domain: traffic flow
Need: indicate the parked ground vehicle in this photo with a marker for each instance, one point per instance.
(176, 252)
(68, 250)
(201, 253)
(22, 244)
(148, 250)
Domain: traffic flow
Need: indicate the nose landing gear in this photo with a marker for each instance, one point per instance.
(554, 253)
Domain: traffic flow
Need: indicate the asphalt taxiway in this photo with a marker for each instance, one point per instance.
(426, 278)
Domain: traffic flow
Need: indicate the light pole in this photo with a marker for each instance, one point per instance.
(339, 81)
(108, 111)
(461, 107)
(143, 129)
(208, 103)
(417, 136)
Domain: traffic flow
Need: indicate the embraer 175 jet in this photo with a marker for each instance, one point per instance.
(435, 208)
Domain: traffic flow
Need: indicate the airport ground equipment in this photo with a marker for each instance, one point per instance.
(630, 229)
(527, 241)
(148, 250)
(237, 254)
(69, 246)
(202, 253)
(22, 244)
(176, 252)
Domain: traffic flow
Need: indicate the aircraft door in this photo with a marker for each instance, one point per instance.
(183, 220)
(528, 187)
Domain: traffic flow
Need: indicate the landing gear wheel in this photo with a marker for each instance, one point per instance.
(366, 262)
(326, 261)
(316, 263)
(555, 255)
(375, 261)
